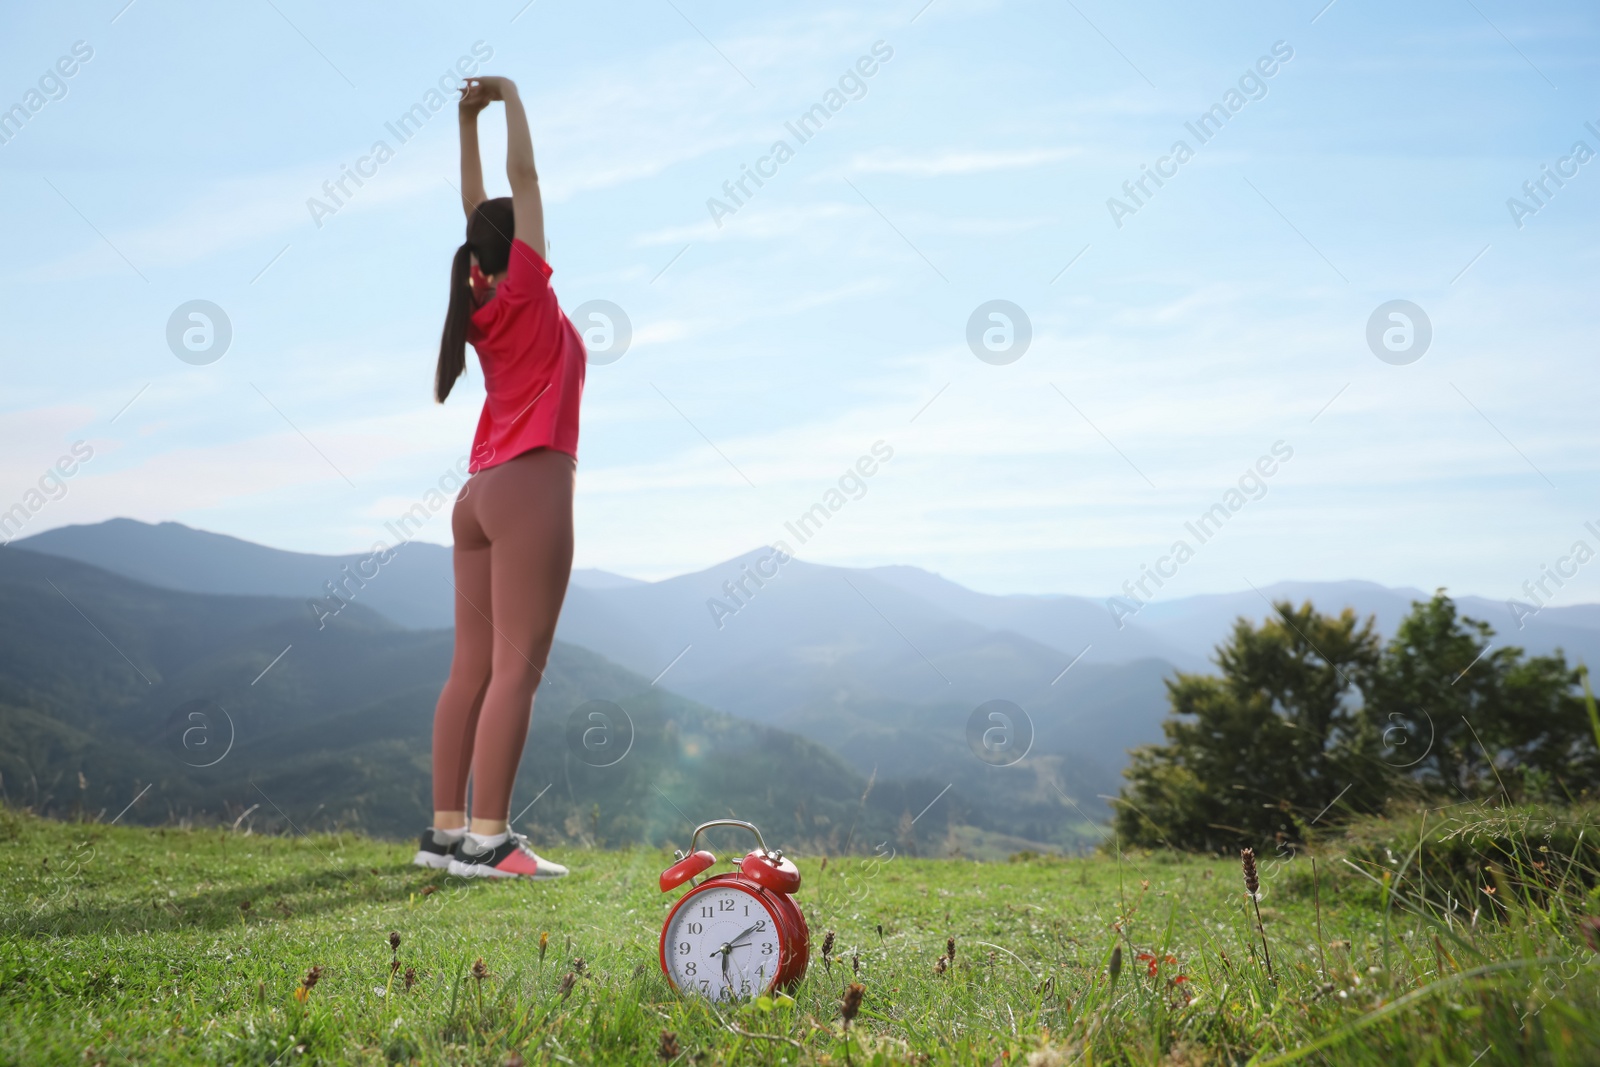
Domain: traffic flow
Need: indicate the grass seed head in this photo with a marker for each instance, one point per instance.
(410, 977)
(480, 970)
(544, 943)
(564, 990)
(1252, 881)
(394, 941)
(580, 965)
(855, 964)
(939, 967)
(514, 1060)
(244, 905)
(827, 945)
(950, 948)
(1116, 964)
(307, 983)
(668, 1049)
(851, 1004)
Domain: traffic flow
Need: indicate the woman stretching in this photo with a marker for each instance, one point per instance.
(512, 522)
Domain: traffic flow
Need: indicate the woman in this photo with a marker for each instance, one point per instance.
(512, 522)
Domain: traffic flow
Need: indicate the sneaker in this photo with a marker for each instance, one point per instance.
(511, 858)
(436, 848)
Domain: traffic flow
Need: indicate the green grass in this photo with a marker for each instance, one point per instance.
(127, 945)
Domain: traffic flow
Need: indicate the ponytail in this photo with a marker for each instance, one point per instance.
(453, 344)
(490, 228)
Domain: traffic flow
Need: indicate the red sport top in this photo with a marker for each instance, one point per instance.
(533, 366)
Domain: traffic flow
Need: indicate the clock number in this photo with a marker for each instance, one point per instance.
(705, 913)
(725, 904)
(705, 985)
(744, 987)
(766, 948)
(683, 948)
(761, 924)
(691, 969)
(695, 928)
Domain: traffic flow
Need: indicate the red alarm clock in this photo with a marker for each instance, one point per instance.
(737, 934)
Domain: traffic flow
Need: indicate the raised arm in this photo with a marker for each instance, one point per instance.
(526, 201)
(473, 101)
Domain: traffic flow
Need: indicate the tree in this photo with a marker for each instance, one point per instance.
(1310, 709)
(1255, 754)
(1463, 718)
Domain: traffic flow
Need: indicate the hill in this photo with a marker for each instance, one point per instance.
(207, 707)
(856, 663)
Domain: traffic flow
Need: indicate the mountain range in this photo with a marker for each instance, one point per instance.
(888, 674)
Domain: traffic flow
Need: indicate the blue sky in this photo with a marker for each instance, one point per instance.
(830, 311)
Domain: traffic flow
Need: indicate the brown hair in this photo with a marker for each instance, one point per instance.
(489, 232)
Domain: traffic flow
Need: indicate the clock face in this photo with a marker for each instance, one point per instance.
(722, 943)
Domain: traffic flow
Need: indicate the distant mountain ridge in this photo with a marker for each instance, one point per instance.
(414, 592)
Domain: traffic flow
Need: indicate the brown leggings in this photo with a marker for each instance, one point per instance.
(513, 553)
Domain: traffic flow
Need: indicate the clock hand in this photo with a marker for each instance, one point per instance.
(750, 929)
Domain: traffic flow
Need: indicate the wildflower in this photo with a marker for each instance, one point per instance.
(950, 948)
(394, 941)
(480, 970)
(668, 1049)
(411, 978)
(564, 990)
(851, 1003)
(1154, 963)
(544, 943)
(939, 967)
(1116, 963)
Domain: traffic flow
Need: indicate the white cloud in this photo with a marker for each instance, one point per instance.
(958, 162)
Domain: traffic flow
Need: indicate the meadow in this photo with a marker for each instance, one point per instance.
(1457, 936)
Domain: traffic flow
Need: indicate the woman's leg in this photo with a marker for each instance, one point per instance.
(455, 719)
(526, 512)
